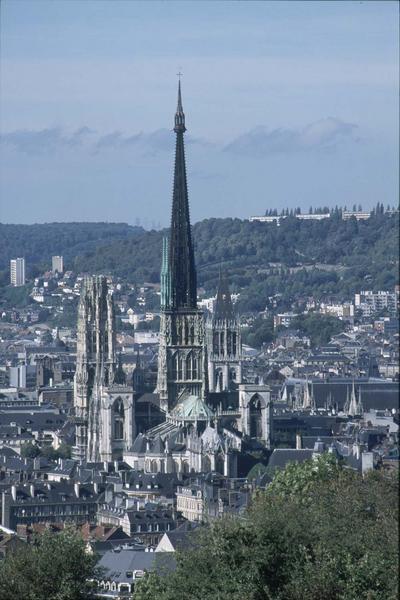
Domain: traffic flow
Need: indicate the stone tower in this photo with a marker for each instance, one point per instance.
(103, 402)
(224, 343)
(182, 361)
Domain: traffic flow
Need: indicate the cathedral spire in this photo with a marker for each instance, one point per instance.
(179, 115)
(223, 303)
(183, 286)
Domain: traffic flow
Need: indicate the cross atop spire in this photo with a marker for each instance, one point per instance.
(179, 115)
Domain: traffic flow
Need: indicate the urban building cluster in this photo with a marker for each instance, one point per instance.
(136, 437)
(319, 215)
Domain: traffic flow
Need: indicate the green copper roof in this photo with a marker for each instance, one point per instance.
(192, 408)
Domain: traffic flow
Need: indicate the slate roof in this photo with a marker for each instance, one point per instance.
(149, 397)
(55, 493)
(377, 394)
(280, 457)
(140, 443)
(156, 446)
(34, 421)
(181, 538)
(117, 563)
(164, 482)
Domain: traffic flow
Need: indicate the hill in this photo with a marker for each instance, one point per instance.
(297, 259)
(329, 257)
(39, 242)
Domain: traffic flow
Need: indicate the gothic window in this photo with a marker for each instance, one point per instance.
(154, 466)
(162, 466)
(175, 362)
(234, 344)
(119, 417)
(206, 464)
(191, 334)
(256, 405)
(222, 349)
(180, 368)
(228, 341)
(186, 325)
(90, 377)
(189, 366)
(195, 370)
(219, 464)
(218, 379)
(216, 342)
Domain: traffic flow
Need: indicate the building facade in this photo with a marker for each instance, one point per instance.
(103, 402)
(57, 264)
(17, 271)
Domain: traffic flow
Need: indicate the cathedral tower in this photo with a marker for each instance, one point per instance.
(224, 343)
(102, 400)
(182, 362)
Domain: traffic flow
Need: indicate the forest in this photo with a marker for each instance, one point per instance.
(296, 259)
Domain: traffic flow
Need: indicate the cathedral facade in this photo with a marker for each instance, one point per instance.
(103, 403)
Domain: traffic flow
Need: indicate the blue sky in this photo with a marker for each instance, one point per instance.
(287, 104)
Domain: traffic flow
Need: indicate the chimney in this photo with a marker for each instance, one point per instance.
(298, 441)
(116, 466)
(14, 492)
(32, 490)
(96, 487)
(76, 489)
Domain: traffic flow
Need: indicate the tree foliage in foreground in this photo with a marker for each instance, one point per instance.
(56, 567)
(318, 532)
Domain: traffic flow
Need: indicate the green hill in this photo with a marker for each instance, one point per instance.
(297, 259)
(332, 256)
(39, 242)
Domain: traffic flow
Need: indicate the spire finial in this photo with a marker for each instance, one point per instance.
(179, 115)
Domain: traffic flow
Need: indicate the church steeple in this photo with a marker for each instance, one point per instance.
(223, 303)
(183, 290)
(179, 115)
(182, 354)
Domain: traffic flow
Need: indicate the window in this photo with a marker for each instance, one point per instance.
(180, 368)
(189, 366)
(119, 417)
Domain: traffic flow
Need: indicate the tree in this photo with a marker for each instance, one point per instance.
(319, 328)
(261, 332)
(55, 567)
(30, 450)
(317, 531)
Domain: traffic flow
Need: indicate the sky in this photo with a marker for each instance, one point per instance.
(287, 104)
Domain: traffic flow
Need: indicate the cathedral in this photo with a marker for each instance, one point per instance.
(208, 411)
(104, 419)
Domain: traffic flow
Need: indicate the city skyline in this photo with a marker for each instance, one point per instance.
(86, 127)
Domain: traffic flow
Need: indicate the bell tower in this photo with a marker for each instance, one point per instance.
(224, 344)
